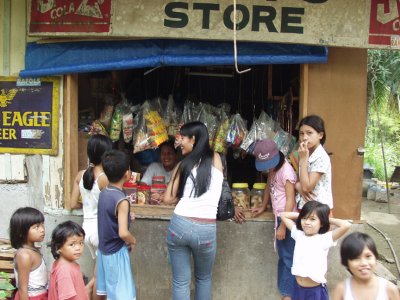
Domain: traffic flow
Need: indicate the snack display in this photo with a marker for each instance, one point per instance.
(257, 195)
(241, 195)
(143, 196)
(131, 190)
(157, 193)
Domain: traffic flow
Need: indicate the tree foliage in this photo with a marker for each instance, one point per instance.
(383, 125)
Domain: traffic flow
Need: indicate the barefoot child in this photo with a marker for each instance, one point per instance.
(358, 254)
(313, 240)
(66, 280)
(26, 229)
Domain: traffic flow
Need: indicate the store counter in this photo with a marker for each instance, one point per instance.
(245, 266)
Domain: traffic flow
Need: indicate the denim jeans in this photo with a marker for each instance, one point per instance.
(187, 238)
(285, 250)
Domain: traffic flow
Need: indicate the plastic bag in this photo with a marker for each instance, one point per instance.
(237, 131)
(207, 117)
(220, 137)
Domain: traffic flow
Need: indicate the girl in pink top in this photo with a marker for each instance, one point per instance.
(280, 192)
(66, 281)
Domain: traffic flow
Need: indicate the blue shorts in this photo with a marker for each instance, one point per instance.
(319, 292)
(114, 276)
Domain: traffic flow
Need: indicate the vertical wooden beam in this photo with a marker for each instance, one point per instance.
(269, 95)
(303, 109)
(70, 135)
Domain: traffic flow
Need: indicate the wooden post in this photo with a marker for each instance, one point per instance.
(303, 106)
(70, 135)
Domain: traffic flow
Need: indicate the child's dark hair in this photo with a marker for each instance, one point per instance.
(61, 233)
(316, 123)
(321, 210)
(20, 223)
(115, 164)
(353, 245)
(281, 161)
(97, 145)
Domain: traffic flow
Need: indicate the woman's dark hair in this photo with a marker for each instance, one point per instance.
(353, 245)
(321, 210)
(61, 233)
(315, 122)
(97, 145)
(281, 161)
(20, 223)
(201, 155)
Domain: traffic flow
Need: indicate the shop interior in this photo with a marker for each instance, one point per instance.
(273, 89)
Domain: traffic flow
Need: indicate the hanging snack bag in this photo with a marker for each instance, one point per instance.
(155, 128)
(116, 123)
(97, 128)
(237, 131)
(220, 138)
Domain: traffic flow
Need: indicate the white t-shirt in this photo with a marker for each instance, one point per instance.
(204, 206)
(310, 257)
(155, 169)
(320, 162)
(381, 295)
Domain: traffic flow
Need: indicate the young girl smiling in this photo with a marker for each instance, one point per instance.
(358, 254)
(313, 240)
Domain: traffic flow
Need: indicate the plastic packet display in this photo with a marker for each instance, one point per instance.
(284, 140)
(237, 131)
(207, 117)
(220, 137)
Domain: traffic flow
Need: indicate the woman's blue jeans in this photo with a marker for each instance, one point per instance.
(285, 250)
(187, 238)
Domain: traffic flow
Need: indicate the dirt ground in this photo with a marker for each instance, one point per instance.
(386, 218)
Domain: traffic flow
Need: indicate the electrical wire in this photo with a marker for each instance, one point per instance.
(390, 245)
(235, 42)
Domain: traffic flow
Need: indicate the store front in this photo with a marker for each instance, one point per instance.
(327, 77)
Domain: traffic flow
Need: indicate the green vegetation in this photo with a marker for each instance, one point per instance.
(383, 127)
(6, 288)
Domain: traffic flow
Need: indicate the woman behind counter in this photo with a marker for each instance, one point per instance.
(168, 160)
(196, 183)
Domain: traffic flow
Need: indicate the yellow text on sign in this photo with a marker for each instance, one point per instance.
(29, 118)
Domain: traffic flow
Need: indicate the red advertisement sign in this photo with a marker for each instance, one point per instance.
(89, 16)
(384, 27)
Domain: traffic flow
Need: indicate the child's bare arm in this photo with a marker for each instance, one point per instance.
(75, 192)
(24, 262)
(338, 292)
(392, 291)
(288, 218)
(123, 230)
(342, 226)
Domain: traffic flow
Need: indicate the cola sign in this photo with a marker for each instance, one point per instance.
(81, 16)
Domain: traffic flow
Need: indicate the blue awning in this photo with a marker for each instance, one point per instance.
(43, 59)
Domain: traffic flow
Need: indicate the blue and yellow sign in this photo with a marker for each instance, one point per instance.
(29, 115)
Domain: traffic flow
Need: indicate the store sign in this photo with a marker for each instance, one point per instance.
(385, 23)
(29, 115)
(341, 23)
(85, 16)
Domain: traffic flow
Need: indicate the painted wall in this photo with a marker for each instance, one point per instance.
(25, 180)
(337, 91)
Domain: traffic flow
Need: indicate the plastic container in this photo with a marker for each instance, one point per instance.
(158, 180)
(131, 190)
(157, 193)
(143, 196)
(257, 195)
(241, 195)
